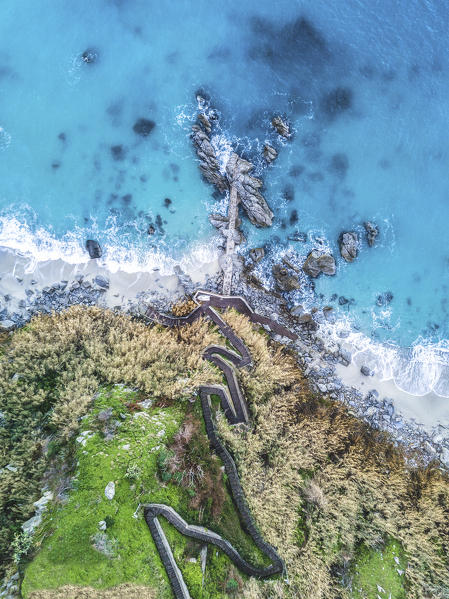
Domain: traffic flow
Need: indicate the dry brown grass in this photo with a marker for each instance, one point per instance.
(123, 591)
(309, 460)
(183, 308)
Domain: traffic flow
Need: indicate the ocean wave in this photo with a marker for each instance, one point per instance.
(40, 245)
(419, 369)
(5, 139)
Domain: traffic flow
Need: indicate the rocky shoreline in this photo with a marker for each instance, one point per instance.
(317, 357)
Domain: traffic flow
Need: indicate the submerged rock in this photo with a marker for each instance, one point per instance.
(102, 281)
(372, 231)
(143, 127)
(94, 249)
(349, 243)
(284, 280)
(281, 126)
(90, 55)
(209, 165)
(384, 298)
(269, 153)
(247, 186)
(318, 262)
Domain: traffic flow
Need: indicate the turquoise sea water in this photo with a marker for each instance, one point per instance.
(61, 181)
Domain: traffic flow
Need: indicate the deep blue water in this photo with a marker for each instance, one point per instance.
(61, 182)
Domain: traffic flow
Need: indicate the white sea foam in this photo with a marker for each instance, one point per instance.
(418, 370)
(5, 139)
(41, 245)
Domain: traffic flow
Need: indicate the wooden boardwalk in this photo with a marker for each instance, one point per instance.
(235, 409)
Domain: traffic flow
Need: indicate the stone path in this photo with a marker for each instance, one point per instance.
(230, 233)
(235, 409)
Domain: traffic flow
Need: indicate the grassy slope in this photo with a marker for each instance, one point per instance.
(66, 554)
(379, 573)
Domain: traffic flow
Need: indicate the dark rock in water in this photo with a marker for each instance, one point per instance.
(339, 164)
(318, 262)
(143, 127)
(349, 243)
(90, 56)
(118, 152)
(372, 231)
(296, 170)
(333, 297)
(293, 217)
(337, 101)
(167, 202)
(94, 249)
(269, 153)
(281, 126)
(62, 136)
(55, 165)
(102, 282)
(289, 192)
(284, 280)
(342, 300)
(384, 298)
(127, 198)
(298, 236)
(151, 230)
(209, 165)
(247, 187)
(366, 371)
(256, 254)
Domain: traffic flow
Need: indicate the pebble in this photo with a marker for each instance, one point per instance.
(109, 490)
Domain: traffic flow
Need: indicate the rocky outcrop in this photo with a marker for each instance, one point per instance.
(318, 262)
(281, 126)
(247, 187)
(89, 56)
(284, 280)
(372, 231)
(209, 165)
(219, 221)
(349, 244)
(205, 122)
(269, 153)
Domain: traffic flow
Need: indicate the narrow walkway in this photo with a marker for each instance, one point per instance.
(230, 241)
(236, 411)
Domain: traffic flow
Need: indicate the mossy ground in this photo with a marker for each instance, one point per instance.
(66, 554)
(379, 573)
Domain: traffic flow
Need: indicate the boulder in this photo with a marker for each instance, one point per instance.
(256, 254)
(143, 127)
(281, 126)
(372, 231)
(284, 280)
(318, 262)
(247, 186)
(101, 281)
(209, 165)
(366, 371)
(349, 243)
(109, 490)
(269, 153)
(94, 249)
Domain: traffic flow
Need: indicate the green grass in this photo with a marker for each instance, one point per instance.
(65, 552)
(378, 569)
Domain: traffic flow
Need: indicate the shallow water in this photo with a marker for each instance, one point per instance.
(61, 181)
